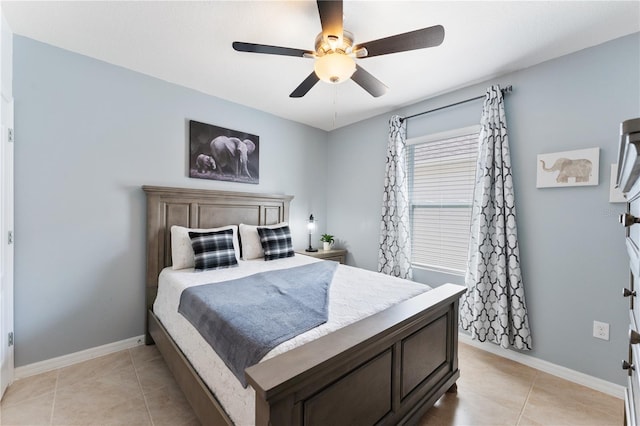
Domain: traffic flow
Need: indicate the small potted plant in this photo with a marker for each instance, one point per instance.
(327, 241)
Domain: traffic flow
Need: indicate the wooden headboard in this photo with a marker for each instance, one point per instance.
(200, 208)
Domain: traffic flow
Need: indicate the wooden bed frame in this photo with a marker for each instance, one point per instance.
(389, 368)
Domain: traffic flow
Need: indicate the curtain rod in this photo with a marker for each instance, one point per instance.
(507, 89)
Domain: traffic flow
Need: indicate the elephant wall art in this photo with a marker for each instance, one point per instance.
(223, 154)
(570, 168)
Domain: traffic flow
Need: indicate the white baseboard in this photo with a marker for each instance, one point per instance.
(548, 367)
(74, 358)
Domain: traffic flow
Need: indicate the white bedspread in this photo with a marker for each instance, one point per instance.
(354, 294)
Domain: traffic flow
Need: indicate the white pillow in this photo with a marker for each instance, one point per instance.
(251, 246)
(182, 255)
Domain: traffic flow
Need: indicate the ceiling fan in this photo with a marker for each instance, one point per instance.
(335, 52)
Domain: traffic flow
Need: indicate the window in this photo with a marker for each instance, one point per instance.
(441, 179)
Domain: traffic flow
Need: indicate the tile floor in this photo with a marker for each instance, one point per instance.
(134, 387)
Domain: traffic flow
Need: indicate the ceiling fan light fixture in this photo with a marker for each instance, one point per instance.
(334, 67)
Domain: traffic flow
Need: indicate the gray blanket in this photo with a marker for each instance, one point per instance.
(243, 319)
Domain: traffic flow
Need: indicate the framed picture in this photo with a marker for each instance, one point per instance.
(568, 168)
(223, 154)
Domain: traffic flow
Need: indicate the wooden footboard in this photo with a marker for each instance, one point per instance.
(389, 368)
(385, 369)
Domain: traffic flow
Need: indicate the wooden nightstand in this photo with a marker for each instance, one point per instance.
(339, 255)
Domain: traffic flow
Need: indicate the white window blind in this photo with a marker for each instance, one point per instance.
(441, 181)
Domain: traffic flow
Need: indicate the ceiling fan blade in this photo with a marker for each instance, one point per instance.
(270, 50)
(368, 82)
(330, 18)
(305, 86)
(418, 39)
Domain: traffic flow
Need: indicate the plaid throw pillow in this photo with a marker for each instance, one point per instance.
(213, 250)
(276, 242)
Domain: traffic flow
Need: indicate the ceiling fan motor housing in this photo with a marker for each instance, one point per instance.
(334, 43)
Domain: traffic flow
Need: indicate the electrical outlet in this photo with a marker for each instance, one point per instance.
(601, 330)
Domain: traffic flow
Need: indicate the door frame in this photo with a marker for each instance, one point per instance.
(6, 251)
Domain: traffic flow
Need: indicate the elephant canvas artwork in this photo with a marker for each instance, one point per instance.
(223, 154)
(569, 168)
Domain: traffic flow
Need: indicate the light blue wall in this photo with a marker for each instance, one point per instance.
(88, 136)
(572, 248)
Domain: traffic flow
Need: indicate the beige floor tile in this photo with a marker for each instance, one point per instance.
(33, 411)
(168, 407)
(573, 393)
(559, 402)
(94, 369)
(154, 375)
(507, 382)
(108, 399)
(467, 408)
(144, 353)
(129, 412)
(485, 362)
(30, 387)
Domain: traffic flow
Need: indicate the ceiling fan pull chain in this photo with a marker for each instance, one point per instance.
(335, 105)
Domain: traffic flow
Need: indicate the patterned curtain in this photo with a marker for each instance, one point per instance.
(394, 257)
(493, 308)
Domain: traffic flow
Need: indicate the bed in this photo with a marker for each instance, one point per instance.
(388, 368)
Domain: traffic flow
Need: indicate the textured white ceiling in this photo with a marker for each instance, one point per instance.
(189, 43)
